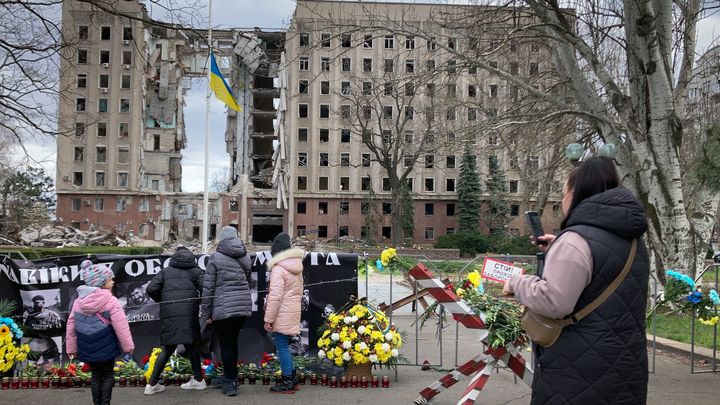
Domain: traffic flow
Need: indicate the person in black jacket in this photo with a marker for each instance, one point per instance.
(177, 288)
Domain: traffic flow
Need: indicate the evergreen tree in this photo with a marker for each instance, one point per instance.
(468, 194)
(498, 204)
(26, 197)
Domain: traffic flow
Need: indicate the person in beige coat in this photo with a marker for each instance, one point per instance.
(282, 310)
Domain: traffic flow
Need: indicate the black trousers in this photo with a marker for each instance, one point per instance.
(164, 356)
(227, 331)
(101, 382)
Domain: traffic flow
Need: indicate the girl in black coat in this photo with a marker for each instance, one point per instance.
(178, 288)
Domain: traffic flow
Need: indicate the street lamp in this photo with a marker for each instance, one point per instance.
(609, 150)
(574, 152)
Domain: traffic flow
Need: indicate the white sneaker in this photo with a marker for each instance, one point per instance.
(154, 389)
(194, 384)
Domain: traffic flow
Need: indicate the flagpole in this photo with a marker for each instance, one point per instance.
(206, 195)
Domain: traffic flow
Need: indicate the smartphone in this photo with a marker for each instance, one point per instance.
(533, 219)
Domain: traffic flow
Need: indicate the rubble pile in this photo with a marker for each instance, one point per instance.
(64, 236)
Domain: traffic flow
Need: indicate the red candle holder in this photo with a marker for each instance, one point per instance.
(5, 384)
(87, 382)
(35, 383)
(333, 382)
(343, 382)
(63, 382)
(252, 379)
(354, 381)
(25, 383)
(266, 379)
(302, 377)
(178, 381)
(45, 382)
(363, 382)
(324, 379)
(133, 381)
(56, 382)
(15, 383)
(122, 382)
(313, 379)
(241, 378)
(375, 382)
(141, 382)
(386, 381)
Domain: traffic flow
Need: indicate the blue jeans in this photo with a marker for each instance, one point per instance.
(283, 353)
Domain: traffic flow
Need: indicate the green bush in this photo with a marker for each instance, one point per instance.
(517, 245)
(476, 242)
(42, 252)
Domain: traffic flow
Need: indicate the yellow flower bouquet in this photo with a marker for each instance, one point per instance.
(11, 351)
(359, 334)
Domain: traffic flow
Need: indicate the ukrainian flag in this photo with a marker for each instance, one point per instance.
(220, 87)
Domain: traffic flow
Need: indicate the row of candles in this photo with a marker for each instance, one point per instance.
(76, 382)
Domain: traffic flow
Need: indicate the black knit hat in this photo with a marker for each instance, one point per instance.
(280, 243)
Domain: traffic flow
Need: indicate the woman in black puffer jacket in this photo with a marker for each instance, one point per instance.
(178, 289)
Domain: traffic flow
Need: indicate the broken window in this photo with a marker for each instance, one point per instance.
(450, 162)
(144, 205)
(387, 112)
(102, 129)
(367, 65)
(99, 179)
(429, 184)
(345, 111)
(345, 40)
(472, 114)
(324, 87)
(365, 183)
(127, 33)
(322, 207)
(367, 112)
(322, 231)
(409, 66)
(77, 178)
(472, 90)
(123, 155)
(345, 183)
(81, 81)
(409, 183)
(388, 89)
(513, 188)
(78, 156)
(124, 105)
(324, 135)
(365, 160)
(386, 209)
(304, 39)
(386, 184)
(429, 233)
(302, 182)
(325, 64)
(79, 128)
(122, 179)
(451, 66)
(156, 142)
(302, 159)
(345, 64)
(344, 135)
(120, 204)
(303, 87)
(365, 208)
(408, 160)
(450, 185)
(387, 136)
(451, 43)
(344, 207)
(431, 44)
(429, 161)
(80, 104)
(368, 41)
(124, 130)
(99, 204)
(345, 159)
(325, 40)
(101, 154)
(345, 88)
(324, 160)
(493, 90)
(450, 209)
(301, 207)
(429, 209)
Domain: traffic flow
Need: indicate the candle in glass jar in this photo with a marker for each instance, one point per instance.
(324, 379)
(354, 381)
(363, 382)
(6, 383)
(386, 381)
(343, 382)
(333, 382)
(375, 382)
(15, 383)
(313, 379)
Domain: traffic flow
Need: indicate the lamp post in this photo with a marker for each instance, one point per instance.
(575, 151)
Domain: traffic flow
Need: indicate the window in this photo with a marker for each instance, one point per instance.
(409, 183)
(124, 105)
(533, 163)
(449, 231)
(430, 64)
(513, 186)
(101, 154)
(304, 39)
(301, 207)
(77, 178)
(367, 112)
(367, 88)
(302, 134)
(123, 155)
(386, 184)
(80, 104)
(79, 128)
(387, 112)
(430, 137)
(345, 183)
(450, 136)
(345, 159)
(450, 185)
(346, 40)
(389, 42)
(127, 34)
(450, 209)
(127, 58)
(324, 160)
(325, 64)
(452, 90)
(345, 64)
(302, 159)
(430, 89)
(429, 184)
(102, 105)
(472, 114)
(120, 204)
(124, 129)
(387, 232)
(409, 112)
(104, 81)
(303, 87)
(368, 41)
(451, 66)
(155, 185)
(343, 207)
(302, 182)
(125, 82)
(365, 160)
(105, 33)
(408, 160)
(367, 64)
(304, 63)
(410, 66)
(409, 135)
(534, 68)
(388, 89)
(102, 129)
(345, 111)
(493, 90)
(429, 233)
(451, 43)
(386, 208)
(429, 161)
(409, 42)
(325, 87)
(450, 162)
(75, 204)
(301, 230)
(100, 204)
(429, 209)
(99, 179)
(324, 110)
(345, 136)
(472, 90)
(122, 179)
(323, 207)
(324, 135)
(387, 136)
(431, 44)
(81, 81)
(492, 140)
(78, 156)
(514, 68)
(430, 113)
(451, 114)
(302, 110)
(325, 40)
(514, 210)
(156, 142)
(389, 65)
(83, 32)
(556, 210)
(322, 231)
(365, 183)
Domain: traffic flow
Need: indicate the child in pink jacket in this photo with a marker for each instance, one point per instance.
(282, 311)
(97, 330)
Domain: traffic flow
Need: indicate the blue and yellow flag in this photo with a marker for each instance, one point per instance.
(220, 87)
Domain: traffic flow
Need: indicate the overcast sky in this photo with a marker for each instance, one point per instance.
(248, 14)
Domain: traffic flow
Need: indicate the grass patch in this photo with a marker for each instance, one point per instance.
(677, 327)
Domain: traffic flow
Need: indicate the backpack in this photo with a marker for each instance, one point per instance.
(96, 338)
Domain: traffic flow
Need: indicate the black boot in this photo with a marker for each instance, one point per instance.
(286, 386)
(229, 388)
(295, 380)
